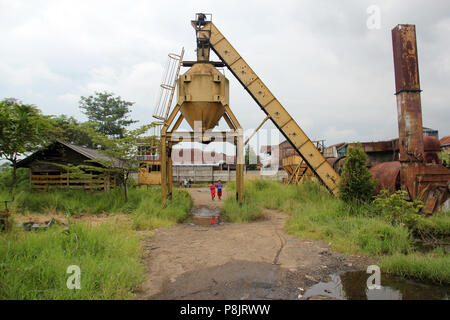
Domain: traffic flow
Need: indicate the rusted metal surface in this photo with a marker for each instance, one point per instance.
(405, 58)
(387, 175)
(432, 148)
(431, 143)
(332, 161)
(428, 182)
(408, 93)
(378, 146)
(297, 170)
(410, 127)
(337, 163)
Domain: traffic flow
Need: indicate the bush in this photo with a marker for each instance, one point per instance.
(378, 238)
(395, 209)
(356, 180)
(22, 178)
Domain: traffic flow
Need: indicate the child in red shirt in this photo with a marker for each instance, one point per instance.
(212, 188)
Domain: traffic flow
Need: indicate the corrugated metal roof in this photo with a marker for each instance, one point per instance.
(91, 154)
(445, 141)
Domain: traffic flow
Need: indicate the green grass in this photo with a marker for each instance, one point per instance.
(352, 229)
(250, 210)
(150, 214)
(437, 225)
(33, 265)
(144, 205)
(433, 266)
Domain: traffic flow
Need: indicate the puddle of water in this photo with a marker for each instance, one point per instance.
(204, 211)
(204, 215)
(353, 286)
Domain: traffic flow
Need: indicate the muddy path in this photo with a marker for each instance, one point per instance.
(257, 260)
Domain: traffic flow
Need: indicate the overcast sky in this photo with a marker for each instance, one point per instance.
(332, 73)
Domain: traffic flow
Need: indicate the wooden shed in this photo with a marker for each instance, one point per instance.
(47, 172)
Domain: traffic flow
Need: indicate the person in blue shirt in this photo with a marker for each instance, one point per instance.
(219, 187)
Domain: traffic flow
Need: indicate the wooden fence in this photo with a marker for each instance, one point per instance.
(64, 181)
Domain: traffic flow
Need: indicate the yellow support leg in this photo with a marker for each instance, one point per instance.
(163, 170)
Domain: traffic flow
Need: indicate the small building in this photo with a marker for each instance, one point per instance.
(49, 168)
(445, 144)
(187, 163)
(430, 132)
(377, 152)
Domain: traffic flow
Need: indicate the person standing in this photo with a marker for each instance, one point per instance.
(190, 182)
(219, 187)
(185, 182)
(212, 189)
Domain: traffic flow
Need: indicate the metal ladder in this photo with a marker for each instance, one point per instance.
(168, 85)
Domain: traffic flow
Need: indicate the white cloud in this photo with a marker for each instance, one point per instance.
(333, 75)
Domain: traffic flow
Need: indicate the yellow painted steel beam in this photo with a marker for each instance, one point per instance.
(256, 130)
(178, 122)
(273, 108)
(229, 122)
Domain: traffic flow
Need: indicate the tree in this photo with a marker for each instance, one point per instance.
(122, 153)
(22, 129)
(69, 130)
(250, 158)
(109, 113)
(356, 184)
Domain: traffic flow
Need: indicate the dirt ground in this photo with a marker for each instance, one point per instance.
(255, 260)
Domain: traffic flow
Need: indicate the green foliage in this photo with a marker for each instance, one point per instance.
(383, 228)
(121, 153)
(432, 266)
(141, 201)
(33, 265)
(22, 129)
(445, 157)
(379, 238)
(248, 211)
(69, 130)
(356, 180)
(109, 113)
(76, 202)
(436, 226)
(250, 158)
(396, 209)
(150, 214)
(6, 177)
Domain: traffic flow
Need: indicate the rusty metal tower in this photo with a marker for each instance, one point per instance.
(428, 182)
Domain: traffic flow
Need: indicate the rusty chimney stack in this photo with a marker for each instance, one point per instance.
(407, 86)
(428, 182)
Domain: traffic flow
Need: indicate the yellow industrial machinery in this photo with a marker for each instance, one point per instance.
(297, 170)
(204, 87)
